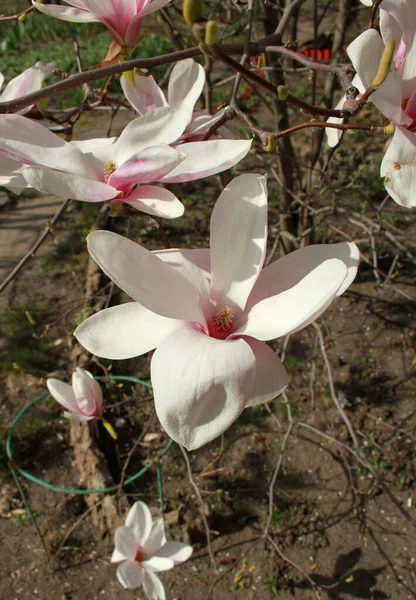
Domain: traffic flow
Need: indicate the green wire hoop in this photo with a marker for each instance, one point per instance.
(80, 492)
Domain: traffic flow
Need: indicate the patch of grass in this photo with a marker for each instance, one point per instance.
(21, 325)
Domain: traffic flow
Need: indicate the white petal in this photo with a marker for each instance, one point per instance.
(158, 563)
(186, 83)
(76, 417)
(298, 306)
(200, 385)
(139, 520)
(177, 551)
(62, 393)
(125, 542)
(156, 538)
(271, 377)
(238, 240)
(156, 201)
(65, 13)
(87, 392)
(207, 158)
(159, 126)
(194, 265)
(145, 277)
(365, 53)
(130, 574)
(124, 331)
(30, 142)
(153, 587)
(67, 185)
(292, 268)
(399, 167)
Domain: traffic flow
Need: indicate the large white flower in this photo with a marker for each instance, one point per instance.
(209, 312)
(118, 170)
(143, 548)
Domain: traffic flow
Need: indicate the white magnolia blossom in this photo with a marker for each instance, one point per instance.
(83, 400)
(118, 170)
(29, 81)
(186, 83)
(142, 547)
(396, 97)
(209, 312)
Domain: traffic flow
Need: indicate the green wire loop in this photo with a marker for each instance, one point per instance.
(80, 492)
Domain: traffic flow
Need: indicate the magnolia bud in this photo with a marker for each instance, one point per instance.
(282, 92)
(192, 11)
(271, 144)
(384, 65)
(212, 34)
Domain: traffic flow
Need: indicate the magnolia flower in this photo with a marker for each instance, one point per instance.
(118, 170)
(29, 81)
(83, 399)
(209, 312)
(11, 176)
(123, 18)
(186, 83)
(143, 548)
(396, 97)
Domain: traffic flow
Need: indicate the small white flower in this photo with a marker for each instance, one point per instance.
(83, 399)
(143, 548)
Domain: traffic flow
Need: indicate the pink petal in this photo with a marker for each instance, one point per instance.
(238, 240)
(124, 331)
(146, 166)
(145, 95)
(200, 385)
(87, 392)
(151, 282)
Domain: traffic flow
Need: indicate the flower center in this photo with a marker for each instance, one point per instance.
(222, 324)
(140, 556)
(109, 169)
